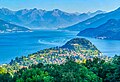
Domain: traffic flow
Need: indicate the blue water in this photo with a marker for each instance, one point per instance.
(24, 43)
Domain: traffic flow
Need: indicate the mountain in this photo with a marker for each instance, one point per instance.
(8, 27)
(95, 21)
(92, 14)
(37, 18)
(108, 30)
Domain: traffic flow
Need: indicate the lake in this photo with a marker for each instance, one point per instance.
(21, 44)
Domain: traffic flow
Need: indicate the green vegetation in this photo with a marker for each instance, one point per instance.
(96, 70)
(75, 48)
(77, 61)
(78, 49)
(68, 72)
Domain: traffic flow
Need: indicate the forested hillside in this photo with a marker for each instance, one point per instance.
(76, 61)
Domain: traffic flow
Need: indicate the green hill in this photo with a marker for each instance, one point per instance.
(79, 44)
(78, 49)
(63, 64)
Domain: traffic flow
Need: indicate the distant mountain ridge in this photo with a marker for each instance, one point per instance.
(8, 27)
(95, 21)
(108, 30)
(37, 18)
(92, 14)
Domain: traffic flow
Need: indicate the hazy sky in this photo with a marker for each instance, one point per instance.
(65, 5)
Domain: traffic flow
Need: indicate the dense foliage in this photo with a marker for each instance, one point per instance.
(96, 70)
(77, 61)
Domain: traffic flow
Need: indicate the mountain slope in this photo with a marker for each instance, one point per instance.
(109, 30)
(37, 18)
(8, 27)
(78, 49)
(95, 21)
(79, 43)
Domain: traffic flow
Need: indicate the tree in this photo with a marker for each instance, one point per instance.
(71, 72)
(34, 75)
(117, 71)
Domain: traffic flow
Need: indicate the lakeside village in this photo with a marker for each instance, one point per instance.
(54, 55)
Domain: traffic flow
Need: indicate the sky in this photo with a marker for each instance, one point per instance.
(65, 5)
